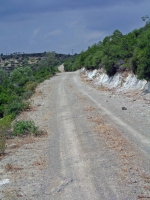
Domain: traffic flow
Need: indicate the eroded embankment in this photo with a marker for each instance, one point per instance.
(121, 81)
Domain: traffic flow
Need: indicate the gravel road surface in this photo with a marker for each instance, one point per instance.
(94, 150)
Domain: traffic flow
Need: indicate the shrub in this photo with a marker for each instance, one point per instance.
(110, 68)
(25, 127)
(15, 107)
(5, 122)
(6, 64)
(27, 94)
(2, 140)
(4, 125)
(30, 86)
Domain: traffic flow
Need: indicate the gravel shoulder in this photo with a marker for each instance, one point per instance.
(92, 149)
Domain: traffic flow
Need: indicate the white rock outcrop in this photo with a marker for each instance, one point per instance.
(121, 81)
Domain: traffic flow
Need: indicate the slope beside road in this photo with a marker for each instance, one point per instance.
(93, 150)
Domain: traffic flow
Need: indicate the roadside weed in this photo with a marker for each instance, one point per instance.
(25, 127)
(2, 141)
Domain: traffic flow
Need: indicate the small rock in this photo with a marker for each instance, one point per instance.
(12, 146)
(133, 181)
(4, 181)
(2, 171)
(124, 108)
(20, 195)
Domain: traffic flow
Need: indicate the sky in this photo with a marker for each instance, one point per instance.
(65, 26)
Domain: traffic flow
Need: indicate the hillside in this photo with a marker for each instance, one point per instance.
(11, 61)
(117, 52)
(121, 82)
(19, 76)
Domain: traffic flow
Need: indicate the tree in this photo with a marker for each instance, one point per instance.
(142, 56)
(146, 19)
(3, 76)
(21, 76)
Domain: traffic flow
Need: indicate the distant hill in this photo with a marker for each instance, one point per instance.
(11, 61)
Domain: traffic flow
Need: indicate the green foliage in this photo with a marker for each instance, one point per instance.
(21, 76)
(142, 56)
(24, 127)
(21, 83)
(3, 76)
(5, 98)
(2, 140)
(72, 64)
(5, 124)
(6, 63)
(30, 86)
(133, 49)
(19, 86)
(146, 19)
(15, 107)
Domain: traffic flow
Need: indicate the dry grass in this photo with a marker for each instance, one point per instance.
(70, 86)
(102, 88)
(11, 167)
(125, 169)
(38, 93)
(81, 98)
(83, 76)
(85, 79)
(142, 197)
(18, 142)
(127, 157)
(111, 135)
(97, 120)
(90, 108)
(11, 193)
(113, 139)
(146, 178)
(41, 163)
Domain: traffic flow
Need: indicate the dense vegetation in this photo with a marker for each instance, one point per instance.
(19, 85)
(117, 52)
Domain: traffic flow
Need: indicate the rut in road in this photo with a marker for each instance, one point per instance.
(88, 157)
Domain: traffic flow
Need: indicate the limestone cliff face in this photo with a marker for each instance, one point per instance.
(120, 81)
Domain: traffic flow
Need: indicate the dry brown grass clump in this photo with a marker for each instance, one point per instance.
(102, 88)
(90, 108)
(70, 86)
(11, 167)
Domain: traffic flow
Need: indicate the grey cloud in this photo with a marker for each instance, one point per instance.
(14, 7)
(62, 25)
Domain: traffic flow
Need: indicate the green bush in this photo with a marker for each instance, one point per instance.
(30, 86)
(25, 127)
(142, 56)
(15, 107)
(27, 94)
(6, 63)
(5, 124)
(2, 140)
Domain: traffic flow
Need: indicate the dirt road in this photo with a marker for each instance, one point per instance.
(94, 150)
